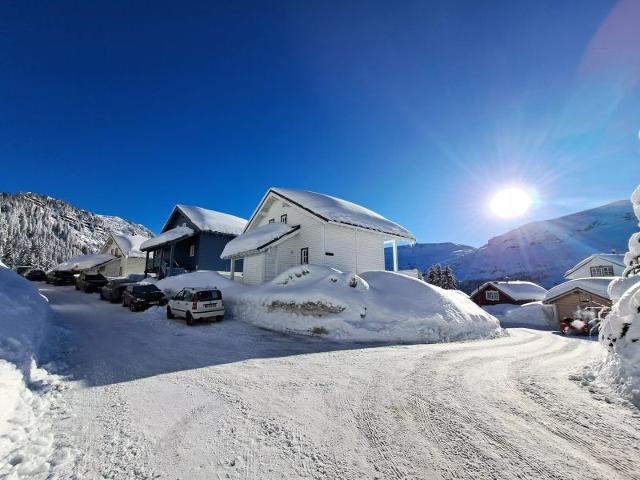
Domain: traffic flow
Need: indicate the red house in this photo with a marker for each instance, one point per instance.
(514, 292)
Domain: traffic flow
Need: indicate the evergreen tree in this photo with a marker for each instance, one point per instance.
(442, 277)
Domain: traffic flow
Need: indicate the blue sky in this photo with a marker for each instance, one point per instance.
(418, 110)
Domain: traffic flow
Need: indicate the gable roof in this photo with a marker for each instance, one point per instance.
(129, 245)
(518, 290)
(335, 210)
(615, 258)
(258, 239)
(594, 285)
(172, 235)
(210, 221)
(85, 262)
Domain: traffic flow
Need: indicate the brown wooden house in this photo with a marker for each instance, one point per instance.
(579, 294)
(512, 292)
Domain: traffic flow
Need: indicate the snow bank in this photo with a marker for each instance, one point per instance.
(85, 262)
(199, 279)
(376, 306)
(26, 441)
(530, 315)
(620, 330)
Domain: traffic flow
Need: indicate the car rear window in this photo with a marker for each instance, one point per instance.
(93, 277)
(145, 289)
(208, 295)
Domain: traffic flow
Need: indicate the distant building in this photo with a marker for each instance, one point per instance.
(514, 292)
(580, 294)
(129, 259)
(293, 227)
(192, 239)
(597, 265)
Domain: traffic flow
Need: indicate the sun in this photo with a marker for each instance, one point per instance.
(510, 202)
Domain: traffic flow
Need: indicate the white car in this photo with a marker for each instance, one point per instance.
(194, 304)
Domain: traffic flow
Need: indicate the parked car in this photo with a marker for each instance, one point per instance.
(35, 275)
(113, 290)
(90, 282)
(194, 304)
(142, 296)
(22, 269)
(61, 277)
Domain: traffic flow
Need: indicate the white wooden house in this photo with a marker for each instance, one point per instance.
(292, 227)
(128, 259)
(597, 265)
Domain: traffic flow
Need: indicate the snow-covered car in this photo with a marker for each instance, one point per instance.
(21, 269)
(90, 282)
(142, 296)
(61, 277)
(36, 275)
(194, 304)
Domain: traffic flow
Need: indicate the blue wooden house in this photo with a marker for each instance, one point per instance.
(192, 239)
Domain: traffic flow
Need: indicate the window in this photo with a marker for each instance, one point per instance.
(492, 295)
(602, 271)
(192, 251)
(304, 256)
(283, 218)
(273, 220)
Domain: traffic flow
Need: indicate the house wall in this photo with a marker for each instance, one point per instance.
(567, 305)
(131, 265)
(209, 249)
(111, 269)
(585, 270)
(344, 248)
(111, 248)
(480, 297)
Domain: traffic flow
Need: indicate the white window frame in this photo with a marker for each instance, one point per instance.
(492, 295)
(601, 271)
(283, 218)
(192, 250)
(304, 256)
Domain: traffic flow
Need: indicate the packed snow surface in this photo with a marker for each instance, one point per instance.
(341, 211)
(130, 244)
(212, 221)
(176, 233)
(85, 262)
(596, 285)
(530, 315)
(518, 290)
(257, 238)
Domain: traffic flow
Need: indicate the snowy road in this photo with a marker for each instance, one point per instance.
(155, 398)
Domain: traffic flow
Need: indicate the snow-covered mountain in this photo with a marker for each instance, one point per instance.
(423, 255)
(542, 251)
(43, 231)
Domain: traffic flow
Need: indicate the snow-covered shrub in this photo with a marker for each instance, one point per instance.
(620, 331)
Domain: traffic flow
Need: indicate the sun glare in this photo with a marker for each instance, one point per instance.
(510, 203)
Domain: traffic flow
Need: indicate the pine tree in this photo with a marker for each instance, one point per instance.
(442, 277)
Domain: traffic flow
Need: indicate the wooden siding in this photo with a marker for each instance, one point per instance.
(253, 269)
(480, 297)
(566, 305)
(585, 270)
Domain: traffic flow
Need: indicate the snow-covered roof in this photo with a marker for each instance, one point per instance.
(257, 239)
(336, 210)
(518, 290)
(595, 285)
(129, 245)
(85, 262)
(615, 258)
(177, 233)
(211, 221)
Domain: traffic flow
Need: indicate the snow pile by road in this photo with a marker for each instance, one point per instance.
(530, 315)
(375, 306)
(26, 441)
(620, 331)
(85, 262)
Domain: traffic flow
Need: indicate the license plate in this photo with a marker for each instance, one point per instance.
(154, 303)
(209, 305)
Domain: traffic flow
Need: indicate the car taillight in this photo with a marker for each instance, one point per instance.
(195, 304)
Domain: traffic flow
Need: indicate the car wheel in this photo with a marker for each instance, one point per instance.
(77, 287)
(219, 318)
(132, 307)
(169, 313)
(86, 289)
(124, 302)
(190, 320)
(101, 295)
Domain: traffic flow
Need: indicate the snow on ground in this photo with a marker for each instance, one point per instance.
(230, 400)
(530, 315)
(85, 262)
(375, 306)
(27, 393)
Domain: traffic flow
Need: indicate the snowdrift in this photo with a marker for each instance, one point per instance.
(26, 441)
(375, 306)
(620, 331)
(529, 315)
